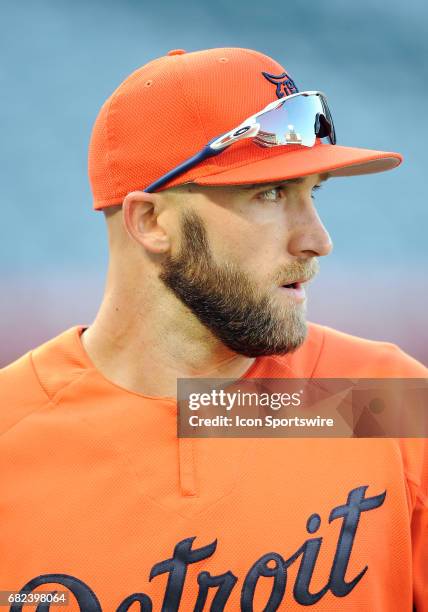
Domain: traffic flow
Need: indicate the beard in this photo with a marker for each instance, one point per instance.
(227, 302)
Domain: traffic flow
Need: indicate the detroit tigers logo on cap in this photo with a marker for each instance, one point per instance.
(284, 84)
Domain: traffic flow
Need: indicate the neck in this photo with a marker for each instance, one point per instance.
(145, 345)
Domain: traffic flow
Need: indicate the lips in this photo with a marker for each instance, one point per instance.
(294, 291)
(295, 284)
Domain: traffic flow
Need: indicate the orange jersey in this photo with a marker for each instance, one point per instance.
(99, 498)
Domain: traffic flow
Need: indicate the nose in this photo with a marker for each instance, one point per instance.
(307, 235)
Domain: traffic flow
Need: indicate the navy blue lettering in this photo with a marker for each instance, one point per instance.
(142, 598)
(310, 551)
(177, 568)
(270, 565)
(261, 568)
(351, 513)
(225, 582)
(84, 595)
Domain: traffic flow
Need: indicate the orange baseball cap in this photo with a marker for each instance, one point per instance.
(169, 109)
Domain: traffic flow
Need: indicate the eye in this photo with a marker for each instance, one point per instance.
(314, 188)
(272, 195)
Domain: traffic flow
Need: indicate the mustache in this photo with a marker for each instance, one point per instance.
(303, 272)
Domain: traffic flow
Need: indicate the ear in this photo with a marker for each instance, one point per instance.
(141, 218)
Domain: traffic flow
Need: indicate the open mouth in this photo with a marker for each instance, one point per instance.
(294, 291)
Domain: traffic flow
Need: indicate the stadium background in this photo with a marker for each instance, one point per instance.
(60, 60)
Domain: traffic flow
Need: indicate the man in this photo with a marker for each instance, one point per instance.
(210, 249)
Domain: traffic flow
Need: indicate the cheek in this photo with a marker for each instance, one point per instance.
(255, 247)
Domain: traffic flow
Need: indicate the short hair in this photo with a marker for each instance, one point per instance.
(109, 211)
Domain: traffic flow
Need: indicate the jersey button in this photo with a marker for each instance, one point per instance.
(176, 52)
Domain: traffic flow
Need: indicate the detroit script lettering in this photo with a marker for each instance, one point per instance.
(270, 566)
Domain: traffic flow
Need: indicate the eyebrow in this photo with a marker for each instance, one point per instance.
(292, 181)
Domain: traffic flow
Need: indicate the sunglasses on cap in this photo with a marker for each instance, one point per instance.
(297, 119)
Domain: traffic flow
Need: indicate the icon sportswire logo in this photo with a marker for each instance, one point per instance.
(284, 84)
(270, 566)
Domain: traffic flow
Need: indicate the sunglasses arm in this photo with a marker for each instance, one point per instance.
(196, 159)
(214, 147)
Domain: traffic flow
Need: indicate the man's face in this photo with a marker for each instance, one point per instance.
(238, 248)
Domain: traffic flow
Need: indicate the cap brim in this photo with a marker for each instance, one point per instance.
(334, 159)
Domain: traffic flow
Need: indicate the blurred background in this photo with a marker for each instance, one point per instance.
(60, 60)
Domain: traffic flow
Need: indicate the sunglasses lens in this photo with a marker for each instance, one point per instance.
(329, 118)
(298, 120)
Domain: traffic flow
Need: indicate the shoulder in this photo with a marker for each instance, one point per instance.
(20, 392)
(341, 355)
(30, 383)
